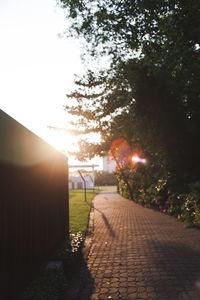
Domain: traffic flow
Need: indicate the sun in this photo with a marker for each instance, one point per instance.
(61, 140)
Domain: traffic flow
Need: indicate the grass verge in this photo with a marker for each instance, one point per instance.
(79, 210)
(112, 188)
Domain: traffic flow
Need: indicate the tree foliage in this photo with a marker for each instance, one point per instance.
(150, 92)
(103, 178)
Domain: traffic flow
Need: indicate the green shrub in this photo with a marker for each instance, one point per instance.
(163, 193)
(70, 252)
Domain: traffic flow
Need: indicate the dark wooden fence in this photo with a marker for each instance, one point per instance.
(33, 205)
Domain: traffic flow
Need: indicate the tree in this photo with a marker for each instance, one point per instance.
(150, 93)
(103, 178)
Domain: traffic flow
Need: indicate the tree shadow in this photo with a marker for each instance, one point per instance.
(108, 226)
(80, 283)
(86, 283)
(175, 270)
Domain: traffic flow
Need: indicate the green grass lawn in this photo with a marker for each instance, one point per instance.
(108, 188)
(79, 209)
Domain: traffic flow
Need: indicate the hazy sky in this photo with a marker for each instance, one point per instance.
(36, 66)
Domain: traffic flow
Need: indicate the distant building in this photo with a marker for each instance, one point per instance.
(76, 182)
(109, 164)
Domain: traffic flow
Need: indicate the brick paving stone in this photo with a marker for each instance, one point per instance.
(138, 253)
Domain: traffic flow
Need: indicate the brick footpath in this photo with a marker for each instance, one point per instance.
(138, 253)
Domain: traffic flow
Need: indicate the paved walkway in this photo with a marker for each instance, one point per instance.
(138, 253)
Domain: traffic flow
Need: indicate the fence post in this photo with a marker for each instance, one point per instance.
(84, 184)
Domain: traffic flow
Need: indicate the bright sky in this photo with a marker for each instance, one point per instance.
(36, 66)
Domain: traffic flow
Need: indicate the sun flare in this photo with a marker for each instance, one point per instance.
(61, 140)
(137, 159)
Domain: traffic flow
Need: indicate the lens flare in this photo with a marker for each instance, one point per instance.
(136, 159)
(120, 151)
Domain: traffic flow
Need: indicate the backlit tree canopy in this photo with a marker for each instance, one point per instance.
(149, 91)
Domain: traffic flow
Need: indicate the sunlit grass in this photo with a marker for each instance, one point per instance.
(79, 209)
(108, 188)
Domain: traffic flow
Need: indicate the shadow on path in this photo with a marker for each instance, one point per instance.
(80, 283)
(177, 269)
(109, 227)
